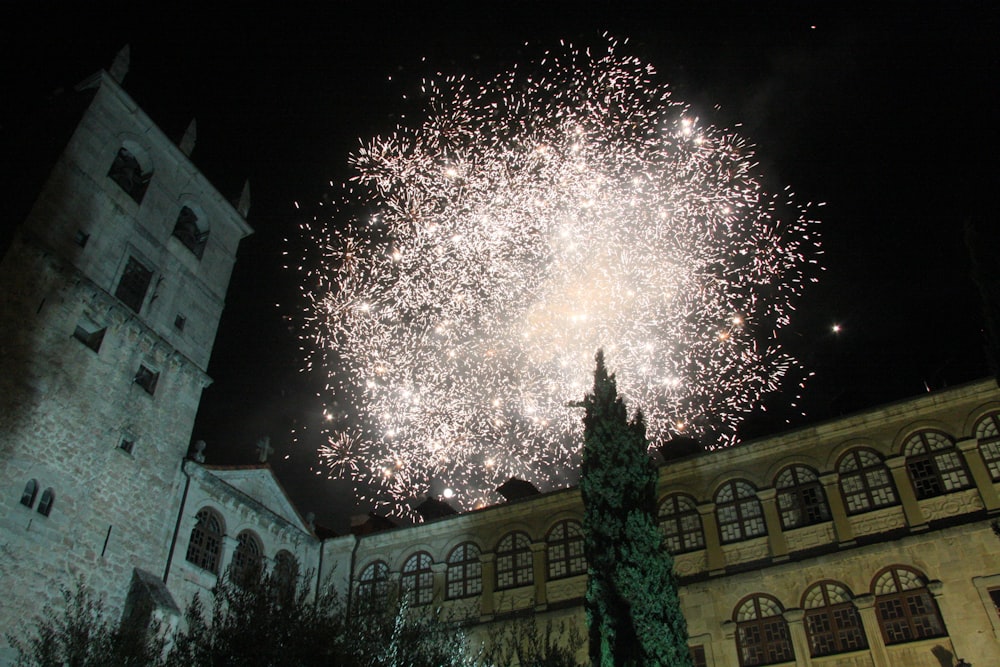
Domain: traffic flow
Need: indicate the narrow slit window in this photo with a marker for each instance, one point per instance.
(179, 322)
(30, 491)
(45, 504)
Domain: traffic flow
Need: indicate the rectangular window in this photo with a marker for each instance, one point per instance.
(995, 598)
(133, 284)
(698, 656)
(179, 322)
(127, 445)
(147, 379)
(90, 336)
(81, 238)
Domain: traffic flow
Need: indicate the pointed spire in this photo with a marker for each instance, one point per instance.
(243, 203)
(189, 138)
(119, 68)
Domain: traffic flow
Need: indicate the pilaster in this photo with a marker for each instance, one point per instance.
(911, 508)
(715, 559)
(775, 535)
(980, 474)
(539, 575)
(841, 524)
(489, 561)
(438, 587)
(866, 609)
(800, 643)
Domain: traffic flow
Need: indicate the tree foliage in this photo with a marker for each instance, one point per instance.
(632, 603)
(254, 622)
(524, 642)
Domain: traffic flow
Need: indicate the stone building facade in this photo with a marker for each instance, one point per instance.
(869, 541)
(111, 292)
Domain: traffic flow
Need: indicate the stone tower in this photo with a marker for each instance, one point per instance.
(110, 296)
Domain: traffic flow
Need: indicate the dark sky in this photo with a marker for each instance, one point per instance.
(885, 113)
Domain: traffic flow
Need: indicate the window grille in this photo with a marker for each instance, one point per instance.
(464, 576)
(681, 524)
(564, 549)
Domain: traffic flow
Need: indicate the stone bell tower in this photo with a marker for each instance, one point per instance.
(111, 292)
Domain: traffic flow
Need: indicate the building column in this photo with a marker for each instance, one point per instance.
(439, 589)
(911, 508)
(539, 575)
(866, 609)
(489, 561)
(715, 559)
(980, 474)
(841, 524)
(229, 545)
(730, 648)
(800, 643)
(775, 534)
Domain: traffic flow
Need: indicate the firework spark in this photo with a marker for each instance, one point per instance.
(527, 221)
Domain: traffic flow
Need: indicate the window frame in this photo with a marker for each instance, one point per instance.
(836, 631)
(689, 539)
(30, 493)
(372, 587)
(930, 479)
(511, 561)
(802, 502)
(740, 503)
(774, 637)
(906, 597)
(465, 571)
(987, 432)
(127, 172)
(191, 231)
(247, 561)
(564, 552)
(135, 274)
(417, 579)
(866, 489)
(206, 553)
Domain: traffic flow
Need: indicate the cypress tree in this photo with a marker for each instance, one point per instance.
(633, 608)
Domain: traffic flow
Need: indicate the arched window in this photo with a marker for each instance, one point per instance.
(564, 548)
(373, 586)
(988, 434)
(740, 514)
(45, 504)
(191, 232)
(247, 558)
(865, 481)
(935, 466)
(801, 500)
(128, 173)
(465, 572)
(205, 545)
(762, 636)
(832, 622)
(285, 576)
(29, 493)
(514, 561)
(418, 580)
(905, 609)
(681, 524)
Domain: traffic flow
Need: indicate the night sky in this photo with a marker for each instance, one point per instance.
(883, 113)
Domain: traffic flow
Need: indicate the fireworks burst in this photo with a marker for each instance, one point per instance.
(527, 221)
